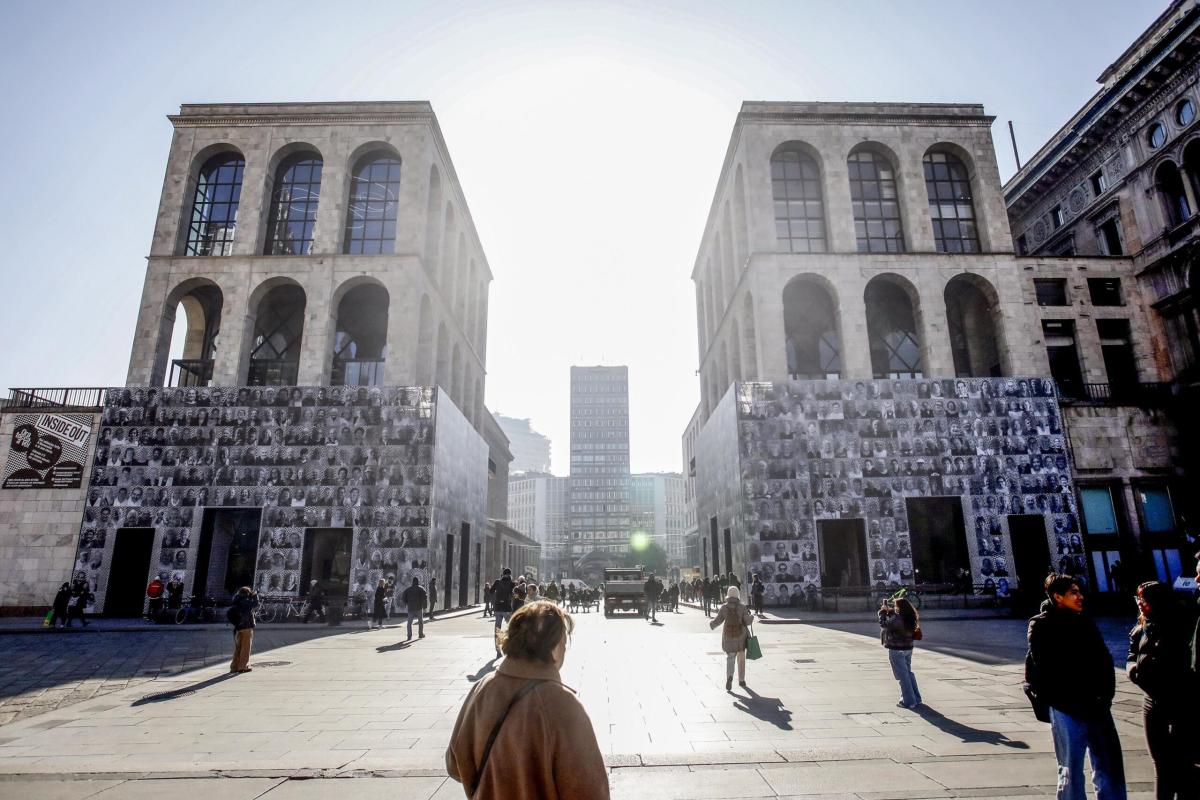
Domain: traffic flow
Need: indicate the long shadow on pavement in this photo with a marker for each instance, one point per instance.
(768, 709)
(490, 666)
(403, 644)
(965, 732)
(182, 691)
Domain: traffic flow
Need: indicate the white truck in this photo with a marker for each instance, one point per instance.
(624, 590)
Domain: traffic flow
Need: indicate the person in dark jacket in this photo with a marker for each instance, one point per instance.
(1070, 669)
(241, 614)
(653, 589)
(1158, 665)
(61, 601)
(316, 601)
(379, 606)
(706, 592)
(81, 595)
(757, 592)
(898, 625)
(414, 598)
(432, 597)
(488, 593)
(502, 603)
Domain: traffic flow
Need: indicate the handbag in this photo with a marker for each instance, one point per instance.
(753, 648)
(917, 635)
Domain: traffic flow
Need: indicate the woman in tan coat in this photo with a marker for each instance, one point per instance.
(737, 618)
(522, 734)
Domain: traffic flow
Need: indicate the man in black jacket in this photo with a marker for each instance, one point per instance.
(652, 588)
(502, 602)
(1071, 670)
(241, 616)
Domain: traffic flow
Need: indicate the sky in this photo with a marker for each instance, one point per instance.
(588, 138)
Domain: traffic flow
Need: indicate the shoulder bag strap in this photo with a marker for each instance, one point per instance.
(487, 750)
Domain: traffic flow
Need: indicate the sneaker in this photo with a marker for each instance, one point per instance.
(742, 684)
(729, 684)
(420, 636)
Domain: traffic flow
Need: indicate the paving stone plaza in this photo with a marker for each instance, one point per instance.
(370, 714)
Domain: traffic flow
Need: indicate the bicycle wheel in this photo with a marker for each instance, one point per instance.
(915, 599)
(265, 614)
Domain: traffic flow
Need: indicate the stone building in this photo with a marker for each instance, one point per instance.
(1119, 184)
(324, 420)
(531, 450)
(656, 508)
(857, 276)
(539, 507)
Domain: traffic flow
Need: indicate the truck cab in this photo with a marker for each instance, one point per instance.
(624, 590)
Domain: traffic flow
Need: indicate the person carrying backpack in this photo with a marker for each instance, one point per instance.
(241, 616)
(736, 619)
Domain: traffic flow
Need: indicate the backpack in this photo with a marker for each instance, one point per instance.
(734, 627)
(233, 615)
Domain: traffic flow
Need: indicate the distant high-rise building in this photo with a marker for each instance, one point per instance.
(530, 449)
(599, 506)
(657, 508)
(538, 506)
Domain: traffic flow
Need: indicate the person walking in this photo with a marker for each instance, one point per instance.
(414, 600)
(1158, 664)
(61, 602)
(433, 597)
(81, 595)
(526, 723)
(899, 626)
(1070, 670)
(241, 614)
(316, 601)
(757, 592)
(488, 593)
(379, 605)
(736, 620)
(706, 597)
(502, 603)
(652, 589)
(673, 597)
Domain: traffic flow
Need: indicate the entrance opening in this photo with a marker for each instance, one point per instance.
(704, 556)
(448, 584)
(1031, 551)
(464, 564)
(327, 559)
(939, 539)
(479, 568)
(728, 552)
(843, 552)
(714, 546)
(228, 547)
(129, 572)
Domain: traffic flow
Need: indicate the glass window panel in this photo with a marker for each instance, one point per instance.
(1157, 512)
(1168, 565)
(1098, 511)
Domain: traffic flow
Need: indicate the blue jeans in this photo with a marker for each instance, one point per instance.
(1074, 735)
(420, 622)
(901, 660)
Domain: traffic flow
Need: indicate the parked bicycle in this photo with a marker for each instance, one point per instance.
(281, 609)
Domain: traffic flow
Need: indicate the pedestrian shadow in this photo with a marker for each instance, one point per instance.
(182, 691)
(490, 666)
(965, 732)
(768, 709)
(387, 648)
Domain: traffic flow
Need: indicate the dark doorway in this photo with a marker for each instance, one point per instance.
(228, 548)
(327, 559)
(464, 564)
(129, 572)
(843, 552)
(447, 584)
(728, 552)
(1031, 551)
(714, 546)
(939, 539)
(479, 568)
(704, 556)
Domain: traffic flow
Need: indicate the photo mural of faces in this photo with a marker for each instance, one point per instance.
(817, 450)
(318, 457)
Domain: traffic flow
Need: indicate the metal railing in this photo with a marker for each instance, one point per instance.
(59, 397)
(191, 372)
(357, 372)
(1123, 394)
(273, 372)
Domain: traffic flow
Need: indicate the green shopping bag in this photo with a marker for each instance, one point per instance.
(46, 620)
(753, 649)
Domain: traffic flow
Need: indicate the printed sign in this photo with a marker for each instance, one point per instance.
(48, 451)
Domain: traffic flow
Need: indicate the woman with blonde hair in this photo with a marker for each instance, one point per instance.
(527, 721)
(899, 627)
(736, 618)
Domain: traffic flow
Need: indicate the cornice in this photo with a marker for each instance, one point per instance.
(348, 118)
(826, 119)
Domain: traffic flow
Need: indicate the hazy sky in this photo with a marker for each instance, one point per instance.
(588, 138)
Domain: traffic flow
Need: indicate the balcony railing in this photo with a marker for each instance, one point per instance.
(61, 397)
(191, 372)
(814, 376)
(273, 372)
(357, 372)
(1125, 394)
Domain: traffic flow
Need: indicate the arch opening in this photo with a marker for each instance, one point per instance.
(374, 203)
(293, 215)
(1174, 199)
(193, 344)
(213, 219)
(892, 330)
(976, 338)
(360, 340)
(278, 334)
(799, 202)
(811, 331)
(876, 202)
(951, 206)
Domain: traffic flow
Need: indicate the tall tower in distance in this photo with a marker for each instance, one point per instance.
(599, 511)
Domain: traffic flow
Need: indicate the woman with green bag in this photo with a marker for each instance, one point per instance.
(736, 618)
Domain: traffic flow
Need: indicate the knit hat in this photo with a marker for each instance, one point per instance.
(733, 594)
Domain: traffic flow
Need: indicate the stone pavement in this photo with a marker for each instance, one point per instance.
(367, 713)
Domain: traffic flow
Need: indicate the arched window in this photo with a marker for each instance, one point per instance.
(799, 206)
(892, 331)
(949, 189)
(294, 206)
(875, 202)
(360, 343)
(1191, 165)
(193, 343)
(973, 314)
(811, 331)
(374, 198)
(278, 331)
(1174, 198)
(215, 206)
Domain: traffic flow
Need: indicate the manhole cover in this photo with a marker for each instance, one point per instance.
(804, 661)
(270, 663)
(162, 697)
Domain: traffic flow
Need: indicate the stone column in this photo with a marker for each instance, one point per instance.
(316, 348)
(237, 333)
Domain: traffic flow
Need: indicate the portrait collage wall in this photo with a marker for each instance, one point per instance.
(316, 457)
(857, 450)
